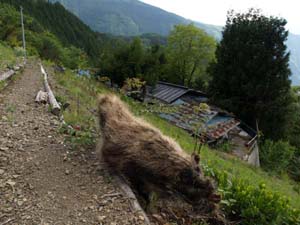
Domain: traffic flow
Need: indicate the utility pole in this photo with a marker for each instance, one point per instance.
(23, 33)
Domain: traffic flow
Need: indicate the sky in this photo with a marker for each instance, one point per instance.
(214, 11)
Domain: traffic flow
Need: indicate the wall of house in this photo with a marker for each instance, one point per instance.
(253, 157)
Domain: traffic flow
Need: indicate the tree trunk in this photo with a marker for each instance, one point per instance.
(192, 74)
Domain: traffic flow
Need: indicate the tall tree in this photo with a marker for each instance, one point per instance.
(154, 64)
(125, 62)
(189, 51)
(251, 75)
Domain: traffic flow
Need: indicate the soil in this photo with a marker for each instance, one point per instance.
(42, 181)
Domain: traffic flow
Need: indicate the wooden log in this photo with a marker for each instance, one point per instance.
(55, 108)
(135, 205)
(7, 75)
(41, 97)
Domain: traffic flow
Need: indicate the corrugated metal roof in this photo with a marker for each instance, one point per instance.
(168, 92)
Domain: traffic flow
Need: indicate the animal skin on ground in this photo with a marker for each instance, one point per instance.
(141, 153)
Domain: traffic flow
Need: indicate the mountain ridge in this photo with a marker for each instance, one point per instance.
(129, 17)
(133, 18)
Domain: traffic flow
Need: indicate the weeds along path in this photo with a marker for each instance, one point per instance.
(41, 180)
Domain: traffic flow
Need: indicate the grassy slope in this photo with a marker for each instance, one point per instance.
(84, 91)
(7, 56)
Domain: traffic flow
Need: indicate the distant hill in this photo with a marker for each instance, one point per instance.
(128, 17)
(132, 17)
(67, 27)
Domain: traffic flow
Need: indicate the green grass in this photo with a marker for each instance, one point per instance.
(2, 85)
(81, 93)
(7, 56)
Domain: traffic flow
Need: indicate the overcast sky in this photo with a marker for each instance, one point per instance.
(214, 11)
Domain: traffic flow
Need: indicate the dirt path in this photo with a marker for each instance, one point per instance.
(41, 180)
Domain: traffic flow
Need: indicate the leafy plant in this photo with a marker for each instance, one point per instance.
(276, 156)
(294, 167)
(10, 108)
(225, 146)
(252, 204)
(2, 85)
(133, 84)
(77, 137)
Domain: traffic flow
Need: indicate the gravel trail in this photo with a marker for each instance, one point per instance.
(42, 181)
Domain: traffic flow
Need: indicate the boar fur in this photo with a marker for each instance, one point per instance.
(143, 155)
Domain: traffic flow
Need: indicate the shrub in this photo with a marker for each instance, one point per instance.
(225, 147)
(294, 166)
(133, 84)
(276, 156)
(253, 204)
(74, 58)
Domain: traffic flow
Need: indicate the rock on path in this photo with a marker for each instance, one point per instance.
(41, 180)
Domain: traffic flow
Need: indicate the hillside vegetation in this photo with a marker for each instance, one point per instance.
(7, 56)
(39, 41)
(249, 194)
(68, 29)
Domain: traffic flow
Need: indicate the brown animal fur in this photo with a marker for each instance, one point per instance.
(132, 147)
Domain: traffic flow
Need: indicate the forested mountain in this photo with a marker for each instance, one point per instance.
(132, 17)
(67, 27)
(128, 17)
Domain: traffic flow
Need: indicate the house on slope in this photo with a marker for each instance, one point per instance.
(193, 114)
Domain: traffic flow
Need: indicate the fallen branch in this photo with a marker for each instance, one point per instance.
(41, 97)
(7, 75)
(55, 108)
(11, 72)
(131, 196)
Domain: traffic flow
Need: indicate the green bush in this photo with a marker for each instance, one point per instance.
(276, 156)
(74, 58)
(253, 204)
(294, 169)
(225, 147)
